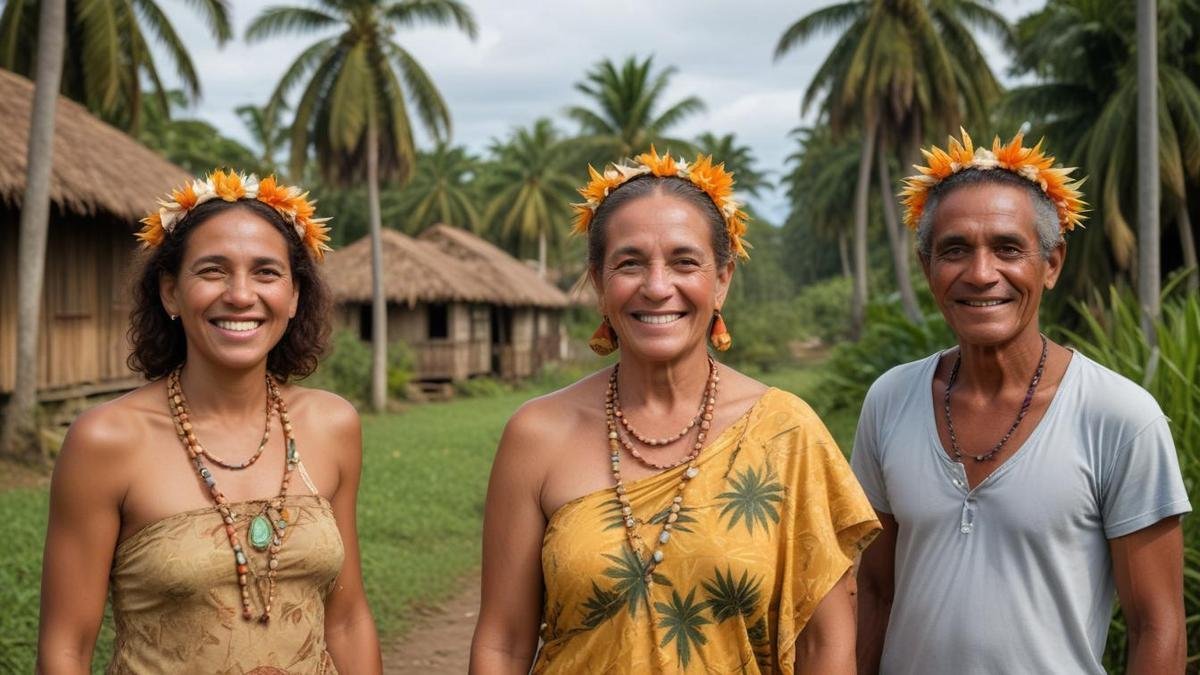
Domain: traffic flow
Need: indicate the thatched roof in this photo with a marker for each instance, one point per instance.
(514, 281)
(416, 272)
(96, 167)
(445, 264)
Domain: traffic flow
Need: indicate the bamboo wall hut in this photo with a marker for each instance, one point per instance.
(102, 182)
(463, 306)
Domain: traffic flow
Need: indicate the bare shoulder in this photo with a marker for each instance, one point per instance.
(543, 422)
(335, 413)
(739, 391)
(105, 441)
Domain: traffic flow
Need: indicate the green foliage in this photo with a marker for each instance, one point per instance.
(193, 144)
(627, 115)
(889, 339)
(346, 370)
(481, 387)
(738, 159)
(765, 333)
(1112, 336)
(108, 55)
(442, 190)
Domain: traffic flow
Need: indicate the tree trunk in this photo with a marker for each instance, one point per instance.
(1187, 243)
(542, 254)
(378, 300)
(900, 242)
(858, 300)
(19, 438)
(1148, 186)
(844, 254)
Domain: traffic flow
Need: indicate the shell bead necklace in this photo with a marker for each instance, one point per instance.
(614, 445)
(704, 417)
(266, 530)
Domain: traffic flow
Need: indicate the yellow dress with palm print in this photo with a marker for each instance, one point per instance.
(770, 524)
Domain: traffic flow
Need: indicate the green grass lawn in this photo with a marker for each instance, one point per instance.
(420, 512)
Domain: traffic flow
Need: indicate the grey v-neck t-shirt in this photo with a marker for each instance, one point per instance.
(1015, 575)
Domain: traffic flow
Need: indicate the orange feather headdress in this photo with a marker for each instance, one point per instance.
(289, 201)
(1031, 164)
(711, 178)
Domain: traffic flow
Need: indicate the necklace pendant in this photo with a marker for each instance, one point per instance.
(260, 532)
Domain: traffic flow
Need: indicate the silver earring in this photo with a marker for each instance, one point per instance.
(174, 316)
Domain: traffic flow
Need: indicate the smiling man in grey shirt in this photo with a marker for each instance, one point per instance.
(1021, 485)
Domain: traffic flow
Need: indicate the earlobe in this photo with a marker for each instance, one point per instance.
(166, 294)
(1054, 265)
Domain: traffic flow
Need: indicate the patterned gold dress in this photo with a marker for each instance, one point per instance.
(770, 524)
(177, 605)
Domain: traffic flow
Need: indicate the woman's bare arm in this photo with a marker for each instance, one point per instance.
(826, 645)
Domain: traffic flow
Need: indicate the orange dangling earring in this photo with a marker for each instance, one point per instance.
(718, 334)
(604, 340)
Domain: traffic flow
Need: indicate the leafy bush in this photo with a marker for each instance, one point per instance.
(478, 387)
(888, 340)
(346, 370)
(822, 309)
(1111, 335)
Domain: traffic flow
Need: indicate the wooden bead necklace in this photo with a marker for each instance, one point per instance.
(703, 417)
(266, 530)
(614, 445)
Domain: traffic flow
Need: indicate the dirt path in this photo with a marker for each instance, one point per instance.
(439, 642)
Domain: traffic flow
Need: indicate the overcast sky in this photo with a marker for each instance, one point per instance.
(529, 54)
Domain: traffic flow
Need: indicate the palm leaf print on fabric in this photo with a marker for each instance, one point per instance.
(601, 606)
(630, 575)
(728, 598)
(612, 514)
(760, 643)
(751, 500)
(682, 618)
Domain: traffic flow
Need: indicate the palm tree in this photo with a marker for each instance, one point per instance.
(108, 56)
(441, 190)
(819, 185)
(352, 111)
(897, 68)
(1148, 282)
(625, 119)
(267, 129)
(738, 159)
(1084, 54)
(19, 434)
(193, 144)
(532, 182)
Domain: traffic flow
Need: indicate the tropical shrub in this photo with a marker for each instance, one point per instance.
(480, 387)
(1169, 369)
(346, 370)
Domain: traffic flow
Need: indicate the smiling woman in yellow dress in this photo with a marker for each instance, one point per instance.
(667, 514)
(216, 502)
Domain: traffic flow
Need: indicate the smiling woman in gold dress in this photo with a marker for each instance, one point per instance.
(217, 501)
(667, 514)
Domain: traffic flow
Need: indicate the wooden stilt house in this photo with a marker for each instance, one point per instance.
(465, 307)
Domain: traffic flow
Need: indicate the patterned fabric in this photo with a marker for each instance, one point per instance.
(177, 605)
(771, 523)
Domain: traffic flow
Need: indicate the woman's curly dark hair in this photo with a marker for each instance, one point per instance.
(159, 344)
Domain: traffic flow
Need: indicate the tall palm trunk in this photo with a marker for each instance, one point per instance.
(19, 436)
(542, 254)
(378, 300)
(844, 254)
(858, 300)
(899, 240)
(1147, 165)
(1187, 242)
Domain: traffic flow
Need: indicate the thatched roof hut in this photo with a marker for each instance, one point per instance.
(101, 183)
(514, 282)
(97, 168)
(416, 272)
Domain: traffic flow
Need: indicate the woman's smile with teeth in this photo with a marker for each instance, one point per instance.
(240, 326)
(658, 318)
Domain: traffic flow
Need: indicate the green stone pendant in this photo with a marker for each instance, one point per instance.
(260, 532)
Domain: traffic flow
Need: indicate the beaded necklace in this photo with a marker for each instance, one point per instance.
(266, 530)
(1033, 383)
(614, 445)
(703, 416)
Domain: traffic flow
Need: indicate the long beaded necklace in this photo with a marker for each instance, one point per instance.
(266, 530)
(1037, 377)
(614, 446)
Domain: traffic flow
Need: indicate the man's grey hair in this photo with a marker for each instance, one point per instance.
(1045, 214)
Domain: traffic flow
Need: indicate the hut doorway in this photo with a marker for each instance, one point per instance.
(502, 340)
